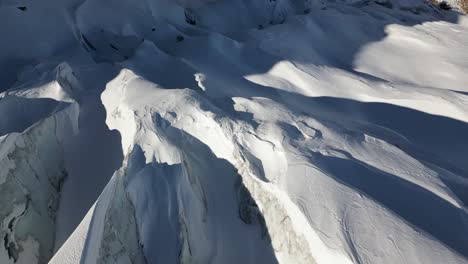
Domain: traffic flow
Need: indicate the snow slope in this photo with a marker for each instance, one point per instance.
(214, 131)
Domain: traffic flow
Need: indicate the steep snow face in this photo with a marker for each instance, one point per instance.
(271, 131)
(35, 125)
(30, 182)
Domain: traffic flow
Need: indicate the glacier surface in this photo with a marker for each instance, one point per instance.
(216, 131)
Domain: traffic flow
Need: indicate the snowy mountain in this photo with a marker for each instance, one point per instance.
(242, 131)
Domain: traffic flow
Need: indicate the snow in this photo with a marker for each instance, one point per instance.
(233, 132)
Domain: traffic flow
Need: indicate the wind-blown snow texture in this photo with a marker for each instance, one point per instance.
(216, 131)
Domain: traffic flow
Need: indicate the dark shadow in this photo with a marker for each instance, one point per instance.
(91, 158)
(9, 69)
(438, 139)
(19, 113)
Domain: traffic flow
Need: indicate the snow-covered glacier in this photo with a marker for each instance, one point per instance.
(242, 131)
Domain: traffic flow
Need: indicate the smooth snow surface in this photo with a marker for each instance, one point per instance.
(216, 131)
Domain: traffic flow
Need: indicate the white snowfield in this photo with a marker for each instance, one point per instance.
(242, 131)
